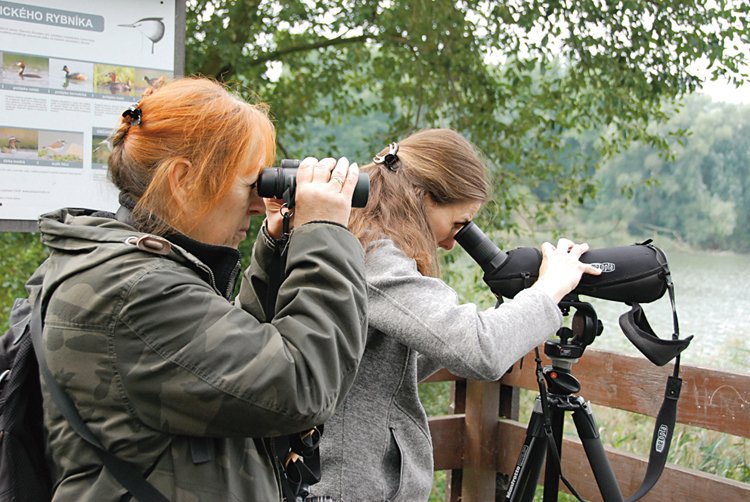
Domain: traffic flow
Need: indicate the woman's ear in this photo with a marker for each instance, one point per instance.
(178, 173)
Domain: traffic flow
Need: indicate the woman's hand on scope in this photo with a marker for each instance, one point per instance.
(324, 190)
(323, 193)
(561, 268)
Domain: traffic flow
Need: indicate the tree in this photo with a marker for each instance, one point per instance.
(516, 77)
(700, 196)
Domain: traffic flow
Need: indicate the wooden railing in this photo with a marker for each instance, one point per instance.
(483, 437)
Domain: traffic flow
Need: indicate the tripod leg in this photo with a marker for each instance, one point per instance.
(588, 432)
(552, 470)
(526, 474)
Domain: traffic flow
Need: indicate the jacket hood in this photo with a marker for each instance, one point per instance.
(98, 236)
(89, 238)
(81, 230)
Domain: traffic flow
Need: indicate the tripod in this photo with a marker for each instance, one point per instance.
(544, 433)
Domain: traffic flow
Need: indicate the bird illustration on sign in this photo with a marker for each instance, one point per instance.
(73, 76)
(54, 148)
(22, 71)
(151, 27)
(12, 147)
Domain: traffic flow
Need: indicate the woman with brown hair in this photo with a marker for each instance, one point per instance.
(424, 189)
(140, 331)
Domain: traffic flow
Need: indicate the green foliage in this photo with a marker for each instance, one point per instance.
(519, 78)
(20, 254)
(700, 196)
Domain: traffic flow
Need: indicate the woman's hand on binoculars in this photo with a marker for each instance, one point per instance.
(274, 219)
(324, 190)
(561, 268)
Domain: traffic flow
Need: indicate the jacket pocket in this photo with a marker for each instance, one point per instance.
(393, 465)
(408, 462)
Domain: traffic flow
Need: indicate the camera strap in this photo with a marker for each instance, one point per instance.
(297, 456)
(667, 416)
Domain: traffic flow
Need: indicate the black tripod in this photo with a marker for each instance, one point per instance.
(544, 433)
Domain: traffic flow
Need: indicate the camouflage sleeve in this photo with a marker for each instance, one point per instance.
(255, 280)
(191, 363)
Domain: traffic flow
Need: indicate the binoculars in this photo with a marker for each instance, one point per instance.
(280, 183)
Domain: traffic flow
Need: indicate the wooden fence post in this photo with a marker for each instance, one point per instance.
(453, 482)
(480, 441)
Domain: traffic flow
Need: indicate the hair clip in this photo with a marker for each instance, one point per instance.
(134, 114)
(389, 159)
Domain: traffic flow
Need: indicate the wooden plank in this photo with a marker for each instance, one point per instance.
(676, 483)
(448, 441)
(453, 486)
(455, 476)
(510, 402)
(442, 375)
(710, 398)
(480, 441)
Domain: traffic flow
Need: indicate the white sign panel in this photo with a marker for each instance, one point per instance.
(68, 69)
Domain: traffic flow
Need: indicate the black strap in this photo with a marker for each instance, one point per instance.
(665, 420)
(277, 270)
(297, 456)
(662, 438)
(127, 474)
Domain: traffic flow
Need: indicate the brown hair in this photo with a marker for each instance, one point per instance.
(439, 163)
(195, 119)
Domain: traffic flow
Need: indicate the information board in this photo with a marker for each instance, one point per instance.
(68, 69)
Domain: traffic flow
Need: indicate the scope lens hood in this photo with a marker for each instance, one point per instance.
(636, 328)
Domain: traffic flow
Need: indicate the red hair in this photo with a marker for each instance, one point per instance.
(193, 119)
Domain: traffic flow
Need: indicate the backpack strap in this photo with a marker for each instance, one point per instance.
(126, 473)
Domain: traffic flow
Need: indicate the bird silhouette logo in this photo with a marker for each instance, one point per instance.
(151, 27)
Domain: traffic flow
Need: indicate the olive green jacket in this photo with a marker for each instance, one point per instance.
(153, 355)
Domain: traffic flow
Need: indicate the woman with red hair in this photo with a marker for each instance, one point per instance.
(141, 332)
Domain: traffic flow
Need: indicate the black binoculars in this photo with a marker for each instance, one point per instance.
(281, 182)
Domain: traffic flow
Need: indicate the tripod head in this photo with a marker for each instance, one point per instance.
(585, 327)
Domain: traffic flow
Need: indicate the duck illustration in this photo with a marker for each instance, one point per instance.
(55, 148)
(151, 27)
(154, 82)
(22, 71)
(73, 76)
(12, 147)
(116, 87)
